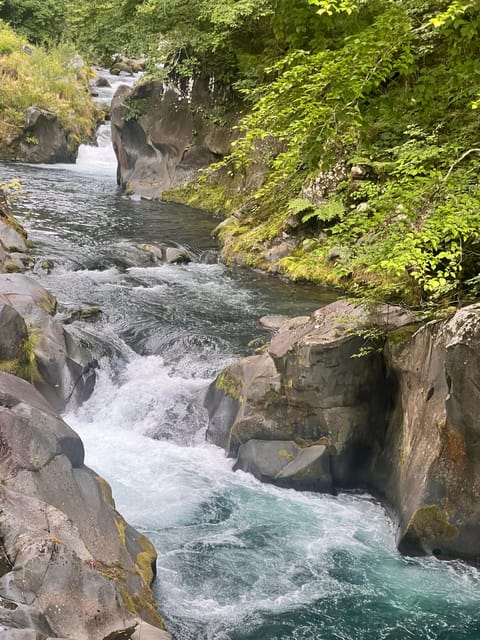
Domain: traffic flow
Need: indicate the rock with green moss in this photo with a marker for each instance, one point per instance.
(47, 356)
(429, 468)
(77, 569)
(321, 379)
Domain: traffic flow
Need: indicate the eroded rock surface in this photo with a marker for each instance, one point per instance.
(163, 136)
(37, 347)
(73, 568)
(395, 406)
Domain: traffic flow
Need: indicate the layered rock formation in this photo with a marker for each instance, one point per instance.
(359, 399)
(163, 135)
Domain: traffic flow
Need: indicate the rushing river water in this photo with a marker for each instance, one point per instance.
(237, 560)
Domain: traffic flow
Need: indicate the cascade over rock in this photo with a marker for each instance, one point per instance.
(70, 566)
(163, 135)
(401, 421)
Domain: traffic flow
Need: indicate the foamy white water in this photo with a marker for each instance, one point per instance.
(237, 560)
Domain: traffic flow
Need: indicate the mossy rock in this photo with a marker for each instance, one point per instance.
(428, 527)
(230, 384)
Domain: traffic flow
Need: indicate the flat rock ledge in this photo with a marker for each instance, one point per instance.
(70, 566)
(352, 398)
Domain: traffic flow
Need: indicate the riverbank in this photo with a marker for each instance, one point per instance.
(236, 558)
(69, 562)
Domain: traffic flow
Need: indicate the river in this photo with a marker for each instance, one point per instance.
(237, 560)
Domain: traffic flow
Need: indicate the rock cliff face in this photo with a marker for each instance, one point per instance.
(355, 399)
(162, 135)
(70, 566)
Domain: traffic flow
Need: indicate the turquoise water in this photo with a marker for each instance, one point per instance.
(237, 560)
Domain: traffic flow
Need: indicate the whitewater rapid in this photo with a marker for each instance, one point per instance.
(237, 560)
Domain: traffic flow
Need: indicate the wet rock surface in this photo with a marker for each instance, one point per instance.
(74, 567)
(393, 405)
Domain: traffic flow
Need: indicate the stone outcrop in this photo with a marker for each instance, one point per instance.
(35, 346)
(394, 406)
(43, 139)
(310, 388)
(13, 241)
(163, 135)
(429, 468)
(70, 566)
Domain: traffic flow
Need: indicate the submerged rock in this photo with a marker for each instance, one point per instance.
(76, 569)
(164, 253)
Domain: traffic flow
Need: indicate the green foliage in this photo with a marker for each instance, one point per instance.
(9, 40)
(44, 78)
(39, 21)
(390, 85)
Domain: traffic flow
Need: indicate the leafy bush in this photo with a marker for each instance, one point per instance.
(47, 79)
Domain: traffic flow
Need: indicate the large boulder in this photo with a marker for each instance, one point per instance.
(41, 350)
(162, 135)
(313, 388)
(70, 566)
(43, 139)
(429, 469)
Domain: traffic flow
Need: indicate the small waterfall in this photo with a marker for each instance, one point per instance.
(99, 158)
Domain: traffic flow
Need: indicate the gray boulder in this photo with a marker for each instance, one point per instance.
(47, 356)
(284, 463)
(52, 142)
(164, 253)
(311, 387)
(76, 568)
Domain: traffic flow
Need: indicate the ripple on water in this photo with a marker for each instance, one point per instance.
(237, 560)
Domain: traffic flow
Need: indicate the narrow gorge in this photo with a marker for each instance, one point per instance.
(139, 292)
